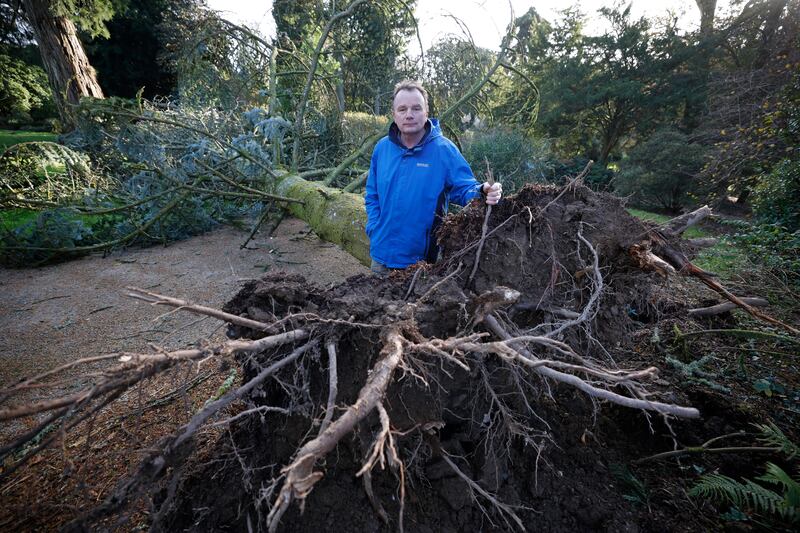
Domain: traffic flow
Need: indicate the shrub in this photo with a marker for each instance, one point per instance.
(357, 126)
(24, 92)
(659, 173)
(514, 158)
(776, 197)
(772, 245)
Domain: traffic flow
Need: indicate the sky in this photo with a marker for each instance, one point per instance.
(485, 19)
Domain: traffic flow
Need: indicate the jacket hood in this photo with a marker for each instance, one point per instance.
(432, 131)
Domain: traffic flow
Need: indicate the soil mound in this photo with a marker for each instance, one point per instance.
(432, 422)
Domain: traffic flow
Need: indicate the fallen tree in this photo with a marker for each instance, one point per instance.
(335, 215)
(405, 394)
(429, 369)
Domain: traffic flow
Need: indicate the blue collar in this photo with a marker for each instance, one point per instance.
(394, 135)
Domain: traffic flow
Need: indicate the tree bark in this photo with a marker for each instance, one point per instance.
(336, 216)
(725, 307)
(68, 70)
(707, 10)
(700, 65)
(679, 224)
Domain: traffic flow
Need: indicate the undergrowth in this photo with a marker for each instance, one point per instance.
(773, 497)
(773, 246)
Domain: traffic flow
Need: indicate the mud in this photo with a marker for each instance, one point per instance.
(547, 450)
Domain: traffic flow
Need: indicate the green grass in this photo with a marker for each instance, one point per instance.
(12, 137)
(691, 233)
(722, 259)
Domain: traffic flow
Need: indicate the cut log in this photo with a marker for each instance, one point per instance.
(725, 306)
(679, 224)
(703, 242)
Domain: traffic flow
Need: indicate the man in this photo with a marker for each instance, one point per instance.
(414, 173)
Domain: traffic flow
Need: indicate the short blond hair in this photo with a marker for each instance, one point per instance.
(410, 85)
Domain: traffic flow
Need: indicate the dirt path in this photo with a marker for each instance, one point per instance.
(55, 314)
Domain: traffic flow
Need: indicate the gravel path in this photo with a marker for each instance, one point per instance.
(58, 313)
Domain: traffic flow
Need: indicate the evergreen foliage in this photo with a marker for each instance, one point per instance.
(514, 158)
(659, 173)
(90, 16)
(45, 171)
(131, 56)
(453, 65)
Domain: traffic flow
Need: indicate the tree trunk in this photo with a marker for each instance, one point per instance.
(68, 70)
(336, 216)
(340, 99)
(700, 65)
(376, 103)
(707, 9)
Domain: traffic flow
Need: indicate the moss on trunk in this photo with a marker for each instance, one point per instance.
(336, 216)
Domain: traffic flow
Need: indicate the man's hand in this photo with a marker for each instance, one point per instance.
(493, 192)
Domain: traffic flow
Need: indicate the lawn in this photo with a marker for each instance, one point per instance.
(12, 137)
(722, 259)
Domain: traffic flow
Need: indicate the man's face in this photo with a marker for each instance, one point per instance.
(409, 111)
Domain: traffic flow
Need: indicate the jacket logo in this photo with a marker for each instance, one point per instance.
(426, 165)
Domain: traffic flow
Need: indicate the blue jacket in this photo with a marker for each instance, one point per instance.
(408, 190)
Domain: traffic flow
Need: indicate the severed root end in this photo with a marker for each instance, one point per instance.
(647, 260)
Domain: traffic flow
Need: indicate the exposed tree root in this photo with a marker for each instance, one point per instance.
(397, 350)
(300, 477)
(506, 511)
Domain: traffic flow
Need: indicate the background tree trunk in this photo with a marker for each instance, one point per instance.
(696, 99)
(68, 69)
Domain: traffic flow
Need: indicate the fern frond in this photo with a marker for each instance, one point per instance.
(791, 487)
(761, 499)
(749, 495)
(773, 436)
(719, 488)
(636, 489)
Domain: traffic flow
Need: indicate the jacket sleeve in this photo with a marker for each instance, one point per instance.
(461, 184)
(371, 198)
